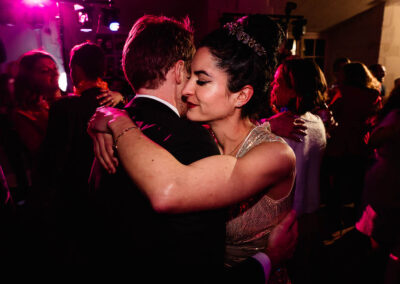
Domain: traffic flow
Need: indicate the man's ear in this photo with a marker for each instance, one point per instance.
(179, 71)
(244, 95)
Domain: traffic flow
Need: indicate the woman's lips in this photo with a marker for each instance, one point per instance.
(190, 105)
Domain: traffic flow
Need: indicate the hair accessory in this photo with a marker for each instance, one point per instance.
(237, 30)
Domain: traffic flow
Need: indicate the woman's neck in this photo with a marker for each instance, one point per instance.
(231, 133)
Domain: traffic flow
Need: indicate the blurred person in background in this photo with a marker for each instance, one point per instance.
(354, 107)
(300, 87)
(379, 72)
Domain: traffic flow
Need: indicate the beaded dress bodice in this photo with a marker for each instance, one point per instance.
(251, 221)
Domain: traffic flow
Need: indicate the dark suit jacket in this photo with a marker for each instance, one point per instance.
(68, 149)
(56, 207)
(177, 248)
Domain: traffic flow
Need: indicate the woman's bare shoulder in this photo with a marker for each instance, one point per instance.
(271, 157)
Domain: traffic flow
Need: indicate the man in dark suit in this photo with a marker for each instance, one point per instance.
(180, 248)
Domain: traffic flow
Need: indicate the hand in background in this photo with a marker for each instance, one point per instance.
(286, 124)
(283, 240)
(110, 98)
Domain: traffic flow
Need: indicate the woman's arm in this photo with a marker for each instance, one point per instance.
(212, 182)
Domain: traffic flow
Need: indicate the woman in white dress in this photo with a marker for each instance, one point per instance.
(300, 87)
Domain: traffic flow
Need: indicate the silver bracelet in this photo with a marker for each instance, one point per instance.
(122, 133)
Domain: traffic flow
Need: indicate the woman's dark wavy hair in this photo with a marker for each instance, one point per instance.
(308, 81)
(243, 65)
(26, 91)
(356, 74)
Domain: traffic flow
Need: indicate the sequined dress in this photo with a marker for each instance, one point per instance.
(251, 221)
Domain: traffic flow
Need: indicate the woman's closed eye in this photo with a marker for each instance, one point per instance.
(201, 83)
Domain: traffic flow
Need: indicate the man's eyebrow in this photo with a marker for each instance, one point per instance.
(201, 72)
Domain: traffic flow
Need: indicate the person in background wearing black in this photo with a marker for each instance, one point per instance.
(56, 207)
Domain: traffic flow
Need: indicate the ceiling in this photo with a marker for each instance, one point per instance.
(323, 14)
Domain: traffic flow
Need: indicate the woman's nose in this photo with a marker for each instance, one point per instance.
(187, 89)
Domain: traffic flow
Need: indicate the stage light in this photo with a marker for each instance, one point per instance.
(62, 81)
(40, 3)
(114, 26)
(85, 19)
(78, 7)
(86, 27)
(110, 18)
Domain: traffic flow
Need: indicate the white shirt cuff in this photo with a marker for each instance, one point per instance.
(265, 262)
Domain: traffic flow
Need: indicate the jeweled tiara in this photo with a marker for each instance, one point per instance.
(236, 29)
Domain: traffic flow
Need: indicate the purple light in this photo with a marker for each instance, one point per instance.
(40, 3)
(114, 26)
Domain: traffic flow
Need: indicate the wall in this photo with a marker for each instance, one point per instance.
(131, 10)
(389, 54)
(204, 14)
(217, 8)
(357, 38)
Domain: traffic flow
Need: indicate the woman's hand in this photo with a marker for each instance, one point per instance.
(110, 98)
(104, 151)
(286, 124)
(102, 137)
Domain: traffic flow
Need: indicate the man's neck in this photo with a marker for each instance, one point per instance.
(161, 93)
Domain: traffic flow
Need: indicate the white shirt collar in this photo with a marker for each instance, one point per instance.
(159, 100)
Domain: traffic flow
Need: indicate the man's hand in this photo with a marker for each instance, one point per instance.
(286, 124)
(283, 240)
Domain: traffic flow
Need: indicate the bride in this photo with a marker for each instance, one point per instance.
(227, 89)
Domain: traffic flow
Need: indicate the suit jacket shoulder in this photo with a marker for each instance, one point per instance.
(186, 140)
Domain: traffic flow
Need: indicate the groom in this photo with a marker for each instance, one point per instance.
(134, 239)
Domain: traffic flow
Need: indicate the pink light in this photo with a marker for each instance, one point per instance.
(40, 3)
(86, 30)
(78, 7)
(83, 17)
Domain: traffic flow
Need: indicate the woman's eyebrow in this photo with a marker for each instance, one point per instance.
(197, 73)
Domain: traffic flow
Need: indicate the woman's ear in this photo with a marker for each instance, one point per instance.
(244, 95)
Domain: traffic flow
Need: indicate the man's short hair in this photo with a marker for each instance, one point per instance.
(153, 46)
(90, 57)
